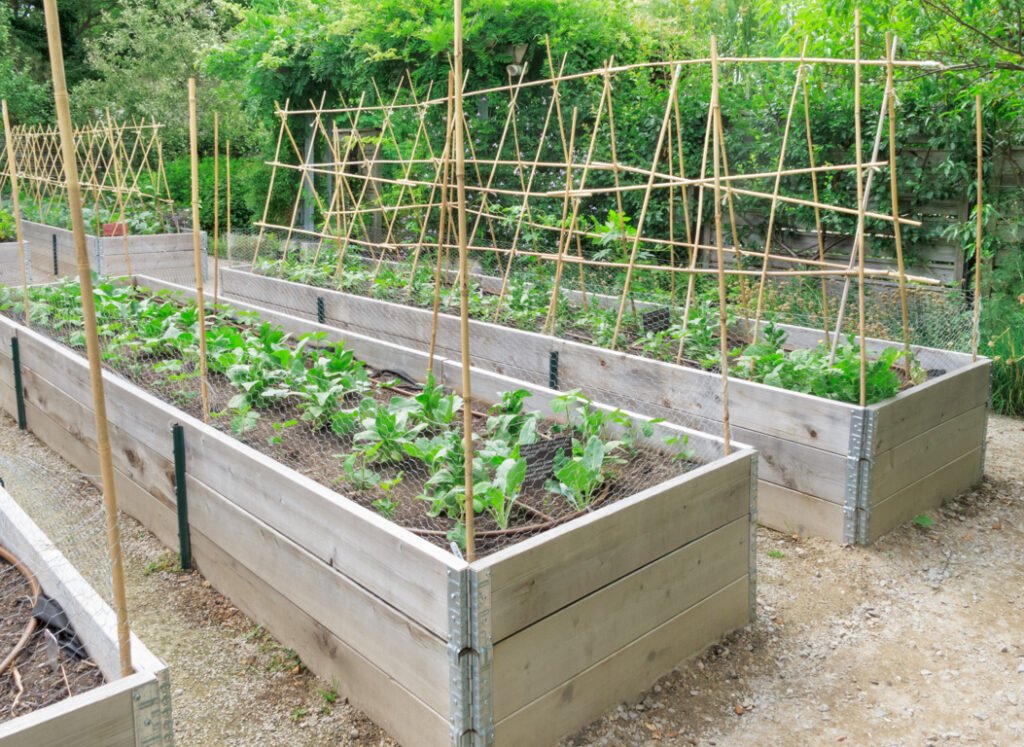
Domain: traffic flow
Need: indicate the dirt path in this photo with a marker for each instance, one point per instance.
(916, 641)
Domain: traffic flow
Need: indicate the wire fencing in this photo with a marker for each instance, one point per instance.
(45, 661)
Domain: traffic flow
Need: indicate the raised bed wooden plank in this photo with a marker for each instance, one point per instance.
(543, 574)
(235, 531)
(798, 467)
(383, 699)
(382, 634)
(389, 561)
(898, 467)
(794, 512)
(922, 408)
(101, 716)
(927, 493)
(557, 648)
(627, 672)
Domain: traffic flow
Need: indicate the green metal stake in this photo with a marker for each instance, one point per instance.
(19, 392)
(321, 316)
(181, 494)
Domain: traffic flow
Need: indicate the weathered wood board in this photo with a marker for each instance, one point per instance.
(52, 253)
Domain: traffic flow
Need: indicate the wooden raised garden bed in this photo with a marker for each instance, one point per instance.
(520, 647)
(168, 255)
(125, 712)
(827, 468)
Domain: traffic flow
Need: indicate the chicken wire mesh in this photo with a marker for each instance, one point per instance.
(45, 661)
(389, 439)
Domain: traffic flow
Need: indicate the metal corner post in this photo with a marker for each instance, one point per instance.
(753, 536)
(851, 494)
(867, 461)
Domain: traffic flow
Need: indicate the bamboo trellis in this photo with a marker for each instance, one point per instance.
(120, 169)
(548, 180)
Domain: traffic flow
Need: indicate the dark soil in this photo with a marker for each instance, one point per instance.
(37, 678)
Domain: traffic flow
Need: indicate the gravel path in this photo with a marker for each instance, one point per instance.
(918, 640)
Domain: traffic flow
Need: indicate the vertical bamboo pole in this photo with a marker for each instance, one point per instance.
(216, 207)
(691, 279)
(858, 239)
(775, 194)
(859, 246)
(227, 207)
(565, 235)
(723, 326)
(644, 206)
(979, 222)
(92, 343)
(442, 229)
(273, 176)
(890, 85)
(460, 192)
(197, 247)
(817, 210)
(120, 182)
(12, 170)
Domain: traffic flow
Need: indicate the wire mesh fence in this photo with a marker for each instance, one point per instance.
(45, 661)
(391, 440)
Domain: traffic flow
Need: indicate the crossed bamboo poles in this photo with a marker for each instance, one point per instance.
(386, 155)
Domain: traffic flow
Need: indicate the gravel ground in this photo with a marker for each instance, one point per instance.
(918, 640)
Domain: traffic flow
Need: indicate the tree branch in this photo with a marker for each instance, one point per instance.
(944, 9)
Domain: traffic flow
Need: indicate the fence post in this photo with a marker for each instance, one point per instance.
(19, 392)
(181, 496)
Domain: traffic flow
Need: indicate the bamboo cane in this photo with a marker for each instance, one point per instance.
(694, 61)
(859, 247)
(979, 224)
(92, 343)
(894, 189)
(643, 209)
(197, 248)
(12, 170)
(121, 206)
(442, 225)
(692, 265)
(862, 213)
(216, 207)
(552, 314)
(227, 207)
(525, 205)
(460, 190)
(273, 176)
(775, 195)
(817, 211)
(723, 326)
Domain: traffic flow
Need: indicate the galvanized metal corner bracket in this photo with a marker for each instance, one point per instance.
(151, 712)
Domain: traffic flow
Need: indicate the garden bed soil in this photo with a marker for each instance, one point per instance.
(528, 643)
(827, 468)
(38, 683)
